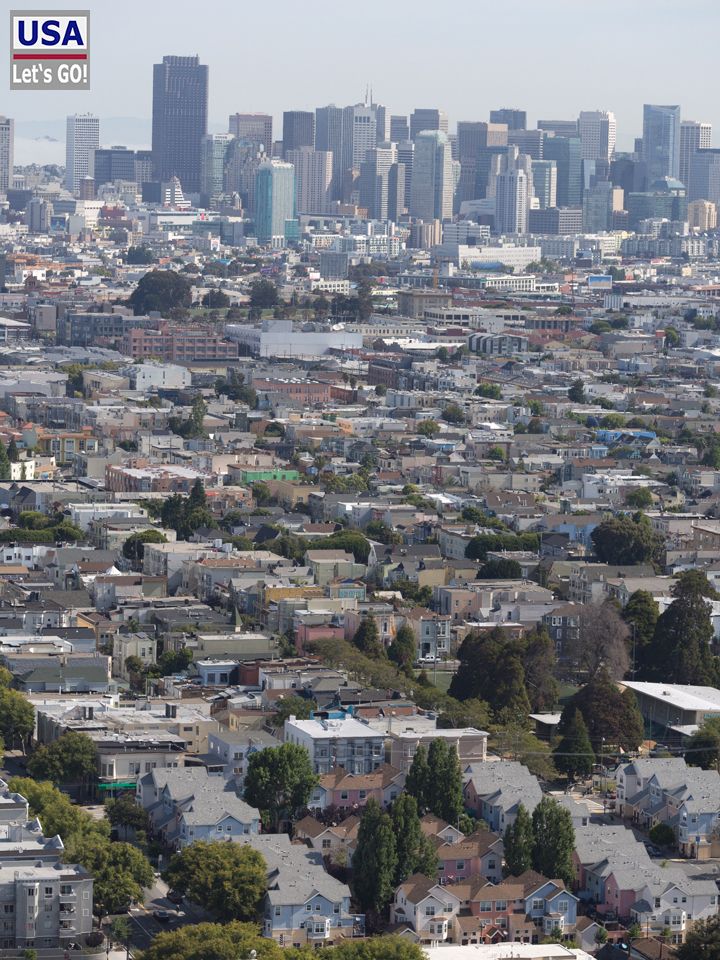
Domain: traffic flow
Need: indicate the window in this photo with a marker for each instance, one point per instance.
(562, 906)
(501, 904)
(461, 865)
(538, 904)
(336, 908)
(277, 911)
(491, 864)
(429, 910)
(48, 891)
(326, 844)
(308, 907)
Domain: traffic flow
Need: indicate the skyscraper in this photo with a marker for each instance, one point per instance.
(406, 158)
(242, 162)
(529, 142)
(694, 136)
(113, 163)
(298, 130)
(513, 189)
(565, 151)
(179, 121)
(7, 146)
(213, 154)
(597, 134)
(431, 195)
(254, 127)
(705, 176)
(561, 128)
(472, 138)
(544, 174)
(313, 179)
(359, 134)
(399, 128)
(661, 141)
(374, 180)
(425, 118)
(81, 141)
(274, 200)
(328, 138)
(512, 118)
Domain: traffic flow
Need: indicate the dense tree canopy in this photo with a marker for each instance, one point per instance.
(574, 753)
(229, 879)
(71, 759)
(161, 290)
(279, 782)
(613, 719)
(625, 541)
(375, 859)
(518, 841)
(553, 840)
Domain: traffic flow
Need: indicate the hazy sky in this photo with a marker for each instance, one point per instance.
(549, 57)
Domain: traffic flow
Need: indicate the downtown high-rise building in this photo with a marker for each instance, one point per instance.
(431, 194)
(661, 141)
(597, 131)
(473, 137)
(7, 153)
(179, 121)
(242, 162)
(567, 154)
(298, 130)
(512, 118)
(313, 179)
(559, 128)
(82, 139)
(274, 201)
(253, 127)
(544, 174)
(425, 118)
(213, 154)
(329, 139)
(382, 183)
(113, 163)
(694, 136)
(399, 128)
(359, 134)
(513, 190)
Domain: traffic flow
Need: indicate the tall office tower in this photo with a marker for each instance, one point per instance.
(399, 129)
(382, 124)
(597, 134)
(529, 142)
(298, 130)
(359, 134)
(561, 128)
(598, 207)
(328, 138)
(694, 136)
(253, 127)
(544, 173)
(82, 140)
(472, 138)
(374, 180)
(566, 152)
(38, 215)
(143, 166)
(396, 192)
(427, 119)
(242, 162)
(661, 141)
(512, 118)
(702, 215)
(513, 189)
(489, 163)
(705, 176)
(179, 121)
(274, 200)
(431, 195)
(213, 154)
(7, 147)
(113, 163)
(313, 179)
(406, 157)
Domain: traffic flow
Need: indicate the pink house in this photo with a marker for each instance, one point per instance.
(307, 633)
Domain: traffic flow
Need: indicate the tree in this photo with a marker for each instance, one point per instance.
(125, 813)
(71, 759)
(280, 781)
(496, 453)
(378, 948)
(230, 879)
(413, 851)
(4, 463)
(680, 651)
(161, 290)
(576, 393)
(134, 546)
(672, 337)
(613, 719)
(374, 862)
(639, 499)
(574, 754)
(202, 941)
(367, 638)
(492, 391)
(518, 843)
(263, 296)
(626, 541)
(602, 642)
(663, 835)
(553, 841)
(454, 413)
(500, 568)
(352, 541)
(417, 782)
(702, 941)
(13, 452)
(299, 707)
(403, 649)
(491, 669)
(120, 870)
(641, 615)
(428, 428)
(539, 665)
(703, 750)
(17, 719)
(216, 299)
(139, 255)
(445, 788)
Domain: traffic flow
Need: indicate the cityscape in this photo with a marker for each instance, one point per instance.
(359, 515)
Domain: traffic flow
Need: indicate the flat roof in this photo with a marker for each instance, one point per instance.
(684, 696)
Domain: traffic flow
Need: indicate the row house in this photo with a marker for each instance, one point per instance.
(349, 791)
(494, 792)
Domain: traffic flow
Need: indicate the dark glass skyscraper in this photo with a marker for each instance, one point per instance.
(567, 154)
(661, 141)
(298, 130)
(180, 107)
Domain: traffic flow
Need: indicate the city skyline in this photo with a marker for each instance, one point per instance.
(244, 84)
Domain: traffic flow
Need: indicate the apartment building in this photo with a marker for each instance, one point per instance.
(346, 743)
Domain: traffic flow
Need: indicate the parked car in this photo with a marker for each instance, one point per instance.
(162, 916)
